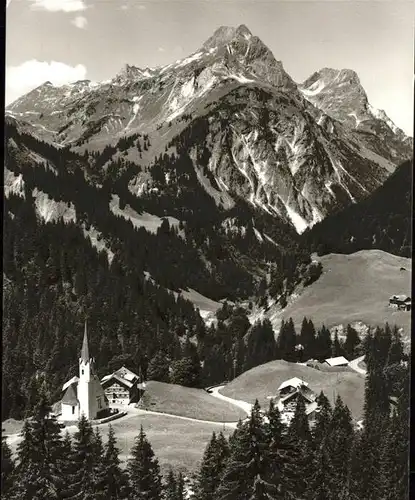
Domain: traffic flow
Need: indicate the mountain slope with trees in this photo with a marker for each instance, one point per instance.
(381, 221)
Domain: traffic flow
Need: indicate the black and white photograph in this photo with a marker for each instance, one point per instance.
(207, 249)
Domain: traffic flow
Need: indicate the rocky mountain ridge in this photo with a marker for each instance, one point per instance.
(297, 152)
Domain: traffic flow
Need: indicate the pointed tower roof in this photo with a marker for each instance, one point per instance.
(85, 350)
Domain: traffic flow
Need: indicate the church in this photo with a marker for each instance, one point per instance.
(83, 394)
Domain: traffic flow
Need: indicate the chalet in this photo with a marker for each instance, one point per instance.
(123, 386)
(289, 393)
(338, 361)
(401, 302)
(83, 395)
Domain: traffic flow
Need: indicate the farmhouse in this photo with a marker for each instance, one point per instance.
(289, 393)
(401, 302)
(123, 386)
(83, 395)
(338, 361)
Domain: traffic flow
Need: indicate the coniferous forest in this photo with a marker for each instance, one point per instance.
(262, 459)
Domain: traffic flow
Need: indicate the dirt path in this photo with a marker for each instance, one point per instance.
(354, 365)
(246, 407)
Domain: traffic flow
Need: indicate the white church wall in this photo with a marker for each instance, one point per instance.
(70, 412)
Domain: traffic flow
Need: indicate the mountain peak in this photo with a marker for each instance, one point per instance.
(225, 34)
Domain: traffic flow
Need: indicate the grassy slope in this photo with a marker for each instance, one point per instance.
(177, 443)
(264, 380)
(355, 288)
(187, 402)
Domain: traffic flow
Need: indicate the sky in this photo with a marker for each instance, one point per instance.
(68, 40)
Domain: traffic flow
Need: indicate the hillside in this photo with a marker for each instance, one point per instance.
(264, 380)
(188, 402)
(355, 288)
(382, 220)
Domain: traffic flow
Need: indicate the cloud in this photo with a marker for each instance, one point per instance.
(141, 7)
(30, 74)
(58, 5)
(80, 22)
(161, 49)
(8, 3)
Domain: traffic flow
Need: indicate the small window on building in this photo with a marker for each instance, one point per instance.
(73, 410)
(82, 372)
(99, 403)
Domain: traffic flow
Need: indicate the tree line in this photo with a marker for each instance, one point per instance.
(264, 459)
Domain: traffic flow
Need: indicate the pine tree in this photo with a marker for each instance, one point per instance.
(38, 475)
(299, 427)
(180, 492)
(158, 368)
(98, 469)
(323, 344)
(300, 438)
(339, 443)
(287, 341)
(213, 463)
(351, 343)
(82, 484)
(247, 459)
(323, 419)
(321, 484)
(115, 484)
(7, 468)
(307, 338)
(170, 488)
(281, 469)
(337, 349)
(144, 471)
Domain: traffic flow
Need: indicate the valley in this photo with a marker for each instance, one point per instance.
(232, 250)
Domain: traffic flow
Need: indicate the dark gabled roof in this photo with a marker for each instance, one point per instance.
(111, 379)
(69, 397)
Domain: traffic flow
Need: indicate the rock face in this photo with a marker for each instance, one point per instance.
(296, 151)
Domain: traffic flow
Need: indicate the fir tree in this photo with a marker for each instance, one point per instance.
(287, 341)
(321, 484)
(323, 419)
(158, 368)
(213, 464)
(247, 459)
(115, 484)
(7, 468)
(308, 338)
(351, 343)
(38, 475)
(144, 471)
(170, 488)
(82, 483)
(280, 462)
(323, 344)
(339, 443)
(300, 438)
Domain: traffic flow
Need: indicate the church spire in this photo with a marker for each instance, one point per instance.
(85, 350)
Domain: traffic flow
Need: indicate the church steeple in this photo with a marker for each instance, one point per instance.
(85, 350)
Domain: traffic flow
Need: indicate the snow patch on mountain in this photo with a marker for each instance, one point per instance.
(381, 115)
(240, 78)
(297, 220)
(258, 235)
(314, 89)
(189, 59)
